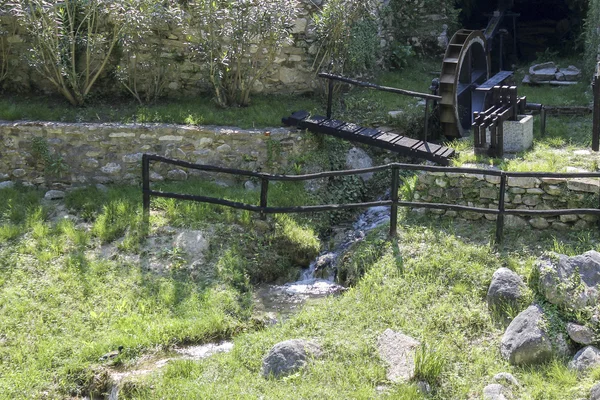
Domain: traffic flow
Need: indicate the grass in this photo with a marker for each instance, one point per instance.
(437, 297)
(63, 304)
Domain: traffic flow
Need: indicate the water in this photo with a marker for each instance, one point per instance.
(318, 280)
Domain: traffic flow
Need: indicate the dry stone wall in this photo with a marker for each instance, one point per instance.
(292, 71)
(112, 153)
(522, 193)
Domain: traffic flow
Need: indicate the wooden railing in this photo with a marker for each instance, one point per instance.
(263, 208)
(427, 97)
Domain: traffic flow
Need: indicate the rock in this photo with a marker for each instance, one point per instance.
(111, 168)
(156, 177)
(506, 378)
(525, 341)
(395, 114)
(586, 358)
(542, 72)
(177, 175)
(424, 387)
(494, 391)
(571, 282)
(595, 392)
(539, 223)
(19, 173)
(357, 159)
(505, 290)
(514, 222)
(580, 334)
(193, 243)
(288, 357)
(54, 195)
(249, 185)
(398, 351)
(324, 265)
(6, 185)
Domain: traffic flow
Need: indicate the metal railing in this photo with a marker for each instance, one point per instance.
(263, 208)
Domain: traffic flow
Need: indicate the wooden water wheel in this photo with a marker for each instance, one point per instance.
(466, 65)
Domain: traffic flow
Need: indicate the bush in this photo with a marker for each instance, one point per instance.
(592, 37)
(72, 41)
(254, 32)
(347, 36)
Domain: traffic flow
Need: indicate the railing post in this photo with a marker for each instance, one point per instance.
(264, 189)
(426, 127)
(543, 120)
(145, 191)
(596, 118)
(500, 136)
(394, 207)
(500, 219)
(329, 98)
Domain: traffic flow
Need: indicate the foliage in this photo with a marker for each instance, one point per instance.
(144, 70)
(347, 36)
(72, 41)
(7, 28)
(239, 40)
(409, 19)
(592, 38)
(53, 163)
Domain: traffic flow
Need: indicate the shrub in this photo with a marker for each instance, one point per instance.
(72, 41)
(239, 40)
(592, 37)
(347, 36)
(143, 70)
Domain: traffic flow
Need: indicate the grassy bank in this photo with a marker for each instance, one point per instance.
(73, 288)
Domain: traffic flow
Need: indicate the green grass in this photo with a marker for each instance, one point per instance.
(63, 304)
(437, 297)
(264, 111)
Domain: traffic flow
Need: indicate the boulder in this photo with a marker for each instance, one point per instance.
(525, 341)
(398, 351)
(595, 392)
(494, 391)
(7, 185)
(357, 159)
(586, 358)
(505, 289)
(192, 243)
(570, 282)
(54, 195)
(580, 333)
(288, 357)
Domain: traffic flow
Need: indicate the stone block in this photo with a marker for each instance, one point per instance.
(518, 135)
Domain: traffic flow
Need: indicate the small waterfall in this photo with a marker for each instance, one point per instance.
(318, 280)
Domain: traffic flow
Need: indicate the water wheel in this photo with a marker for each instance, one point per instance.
(466, 65)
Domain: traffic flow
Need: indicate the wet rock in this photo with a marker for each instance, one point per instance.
(571, 282)
(289, 356)
(324, 264)
(398, 351)
(526, 341)
(357, 159)
(505, 290)
(54, 195)
(580, 333)
(586, 358)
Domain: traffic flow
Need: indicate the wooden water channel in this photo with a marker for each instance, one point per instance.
(263, 208)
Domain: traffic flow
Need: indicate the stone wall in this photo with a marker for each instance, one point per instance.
(521, 193)
(291, 73)
(107, 153)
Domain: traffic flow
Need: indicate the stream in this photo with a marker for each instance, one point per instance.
(277, 302)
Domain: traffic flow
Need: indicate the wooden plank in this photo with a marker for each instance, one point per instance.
(406, 142)
(495, 80)
(387, 137)
(369, 132)
(332, 123)
(350, 128)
